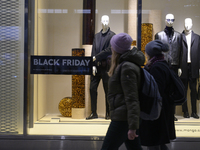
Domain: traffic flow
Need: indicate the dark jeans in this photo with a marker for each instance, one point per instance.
(101, 74)
(117, 134)
(193, 94)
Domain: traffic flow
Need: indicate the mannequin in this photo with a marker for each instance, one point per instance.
(173, 38)
(101, 43)
(190, 65)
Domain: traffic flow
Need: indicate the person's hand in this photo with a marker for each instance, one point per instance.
(94, 70)
(94, 58)
(179, 72)
(132, 134)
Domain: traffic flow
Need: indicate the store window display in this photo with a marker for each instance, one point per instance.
(101, 43)
(190, 65)
(173, 38)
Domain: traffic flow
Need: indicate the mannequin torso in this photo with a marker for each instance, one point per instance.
(173, 38)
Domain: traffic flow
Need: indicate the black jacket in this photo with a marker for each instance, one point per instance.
(104, 48)
(194, 53)
(123, 89)
(174, 42)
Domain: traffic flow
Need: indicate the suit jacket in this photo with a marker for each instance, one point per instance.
(174, 55)
(194, 53)
(105, 45)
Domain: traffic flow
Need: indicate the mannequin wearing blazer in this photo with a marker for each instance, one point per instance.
(173, 39)
(101, 43)
(190, 65)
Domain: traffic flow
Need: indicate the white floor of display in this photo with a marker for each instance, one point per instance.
(59, 125)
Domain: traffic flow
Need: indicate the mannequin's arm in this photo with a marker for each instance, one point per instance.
(103, 54)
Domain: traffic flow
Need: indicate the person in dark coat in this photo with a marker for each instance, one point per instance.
(123, 89)
(156, 134)
(190, 65)
(101, 43)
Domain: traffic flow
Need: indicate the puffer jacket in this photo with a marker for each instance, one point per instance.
(123, 89)
(173, 57)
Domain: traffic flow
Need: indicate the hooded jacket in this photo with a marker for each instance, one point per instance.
(123, 88)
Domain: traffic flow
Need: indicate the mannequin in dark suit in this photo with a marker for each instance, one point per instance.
(173, 38)
(101, 43)
(190, 65)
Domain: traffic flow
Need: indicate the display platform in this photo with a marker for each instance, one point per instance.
(59, 125)
(187, 127)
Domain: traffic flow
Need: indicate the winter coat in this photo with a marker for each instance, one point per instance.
(194, 53)
(174, 54)
(162, 130)
(123, 89)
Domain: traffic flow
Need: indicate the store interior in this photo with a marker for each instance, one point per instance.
(58, 29)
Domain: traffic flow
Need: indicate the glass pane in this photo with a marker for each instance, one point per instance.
(59, 29)
(153, 22)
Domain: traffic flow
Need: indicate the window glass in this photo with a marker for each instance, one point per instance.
(153, 21)
(58, 29)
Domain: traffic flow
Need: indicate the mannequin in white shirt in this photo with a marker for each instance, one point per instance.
(188, 28)
(190, 65)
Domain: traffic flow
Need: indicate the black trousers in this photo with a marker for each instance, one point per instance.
(117, 134)
(101, 74)
(193, 93)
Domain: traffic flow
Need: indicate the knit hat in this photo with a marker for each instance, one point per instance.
(121, 42)
(156, 47)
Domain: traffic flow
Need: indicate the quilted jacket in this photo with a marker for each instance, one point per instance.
(123, 89)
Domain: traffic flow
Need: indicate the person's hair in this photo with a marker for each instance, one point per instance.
(114, 62)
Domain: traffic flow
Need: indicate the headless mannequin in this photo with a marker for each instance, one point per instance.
(187, 33)
(105, 27)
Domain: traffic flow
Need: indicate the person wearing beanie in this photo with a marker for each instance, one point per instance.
(156, 134)
(156, 47)
(123, 99)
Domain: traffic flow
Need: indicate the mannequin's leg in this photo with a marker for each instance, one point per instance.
(93, 93)
(193, 95)
(184, 106)
(105, 79)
